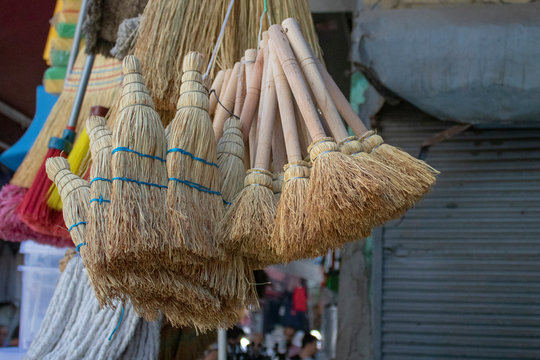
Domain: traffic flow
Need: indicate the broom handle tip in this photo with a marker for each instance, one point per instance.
(307, 61)
(292, 71)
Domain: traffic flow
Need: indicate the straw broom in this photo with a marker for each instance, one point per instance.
(289, 230)
(397, 188)
(338, 187)
(137, 230)
(100, 191)
(227, 102)
(193, 198)
(421, 174)
(376, 209)
(248, 223)
(230, 148)
(76, 159)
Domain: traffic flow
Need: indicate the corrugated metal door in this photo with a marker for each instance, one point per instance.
(459, 275)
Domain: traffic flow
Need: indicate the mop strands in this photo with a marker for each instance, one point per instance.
(74, 327)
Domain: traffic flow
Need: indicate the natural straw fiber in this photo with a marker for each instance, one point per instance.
(137, 228)
(75, 194)
(100, 192)
(193, 198)
(161, 54)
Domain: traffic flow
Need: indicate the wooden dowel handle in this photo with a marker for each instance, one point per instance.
(266, 125)
(216, 86)
(240, 91)
(250, 56)
(227, 101)
(279, 153)
(341, 102)
(253, 92)
(286, 110)
(292, 71)
(306, 58)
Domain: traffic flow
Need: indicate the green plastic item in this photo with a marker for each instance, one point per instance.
(55, 73)
(65, 30)
(59, 58)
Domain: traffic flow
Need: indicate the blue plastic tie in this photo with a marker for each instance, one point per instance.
(139, 182)
(100, 200)
(137, 153)
(100, 179)
(77, 224)
(78, 248)
(184, 152)
(196, 186)
(227, 202)
(119, 323)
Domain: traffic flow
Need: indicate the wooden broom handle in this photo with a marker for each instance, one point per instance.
(227, 101)
(341, 102)
(240, 95)
(306, 58)
(266, 125)
(286, 110)
(226, 79)
(279, 153)
(253, 93)
(250, 55)
(216, 86)
(292, 71)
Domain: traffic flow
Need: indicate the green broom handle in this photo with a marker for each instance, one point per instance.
(306, 58)
(286, 110)
(81, 90)
(292, 71)
(253, 93)
(341, 102)
(266, 125)
(76, 39)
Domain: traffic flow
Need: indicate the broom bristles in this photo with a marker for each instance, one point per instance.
(248, 223)
(137, 230)
(338, 192)
(11, 226)
(194, 178)
(33, 209)
(290, 229)
(230, 151)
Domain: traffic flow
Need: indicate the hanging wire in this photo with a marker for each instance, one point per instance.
(265, 11)
(218, 42)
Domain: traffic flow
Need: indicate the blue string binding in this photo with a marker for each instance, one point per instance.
(77, 224)
(184, 152)
(78, 248)
(100, 179)
(100, 200)
(139, 182)
(121, 148)
(196, 186)
(119, 323)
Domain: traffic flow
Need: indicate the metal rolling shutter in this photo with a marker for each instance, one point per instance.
(460, 273)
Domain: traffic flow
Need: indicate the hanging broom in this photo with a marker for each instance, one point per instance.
(397, 188)
(76, 159)
(289, 231)
(137, 230)
(421, 174)
(100, 191)
(248, 223)
(338, 187)
(230, 148)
